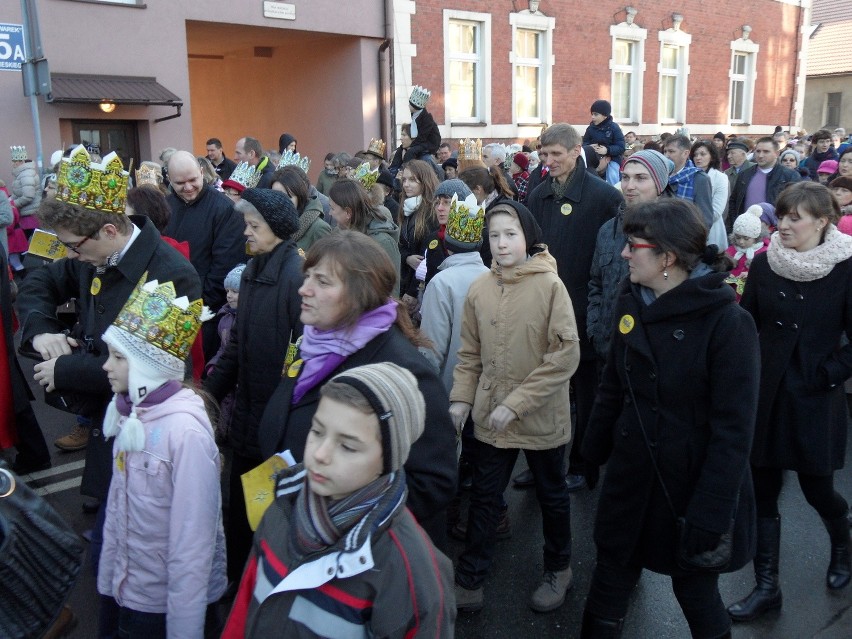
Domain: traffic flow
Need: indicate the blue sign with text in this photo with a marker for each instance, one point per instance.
(11, 47)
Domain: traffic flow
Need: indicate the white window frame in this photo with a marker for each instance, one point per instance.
(681, 40)
(637, 35)
(749, 49)
(544, 25)
(483, 60)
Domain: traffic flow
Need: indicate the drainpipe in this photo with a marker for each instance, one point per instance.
(801, 72)
(387, 93)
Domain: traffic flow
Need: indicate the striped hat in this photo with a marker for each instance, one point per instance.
(658, 165)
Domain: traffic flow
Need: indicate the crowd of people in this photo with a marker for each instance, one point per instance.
(288, 391)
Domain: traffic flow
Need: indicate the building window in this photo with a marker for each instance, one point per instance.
(743, 74)
(532, 63)
(467, 76)
(628, 68)
(674, 71)
(832, 109)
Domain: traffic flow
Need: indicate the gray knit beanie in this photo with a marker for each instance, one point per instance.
(658, 165)
(276, 209)
(393, 394)
(232, 279)
(448, 187)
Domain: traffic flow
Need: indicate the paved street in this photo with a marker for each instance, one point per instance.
(809, 611)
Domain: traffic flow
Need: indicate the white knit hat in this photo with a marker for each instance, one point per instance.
(748, 224)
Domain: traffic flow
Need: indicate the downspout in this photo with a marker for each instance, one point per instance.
(800, 74)
(387, 99)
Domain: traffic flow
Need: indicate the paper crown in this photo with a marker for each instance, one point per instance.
(155, 314)
(419, 96)
(290, 157)
(147, 174)
(465, 222)
(470, 149)
(377, 148)
(99, 187)
(244, 176)
(366, 176)
(19, 153)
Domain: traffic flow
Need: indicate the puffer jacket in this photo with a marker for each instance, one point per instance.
(26, 189)
(519, 348)
(608, 269)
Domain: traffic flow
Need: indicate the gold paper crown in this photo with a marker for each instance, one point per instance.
(465, 221)
(155, 314)
(377, 147)
(19, 153)
(147, 174)
(419, 96)
(99, 187)
(366, 176)
(470, 149)
(290, 157)
(245, 175)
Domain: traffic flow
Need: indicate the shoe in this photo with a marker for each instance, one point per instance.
(77, 439)
(469, 600)
(767, 593)
(840, 567)
(575, 482)
(25, 467)
(504, 527)
(91, 507)
(64, 624)
(523, 480)
(595, 627)
(550, 593)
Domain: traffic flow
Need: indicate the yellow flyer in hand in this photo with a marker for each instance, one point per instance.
(45, 244)
(259, 485)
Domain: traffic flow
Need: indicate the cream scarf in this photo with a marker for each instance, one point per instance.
(807, 266)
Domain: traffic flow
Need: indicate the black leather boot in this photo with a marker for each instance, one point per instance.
(595, 627)
(767, 593)
(840, 566)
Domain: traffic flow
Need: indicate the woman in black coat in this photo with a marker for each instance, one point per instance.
(800, 295)
(267, 323)
(683, 368)
(350, 320)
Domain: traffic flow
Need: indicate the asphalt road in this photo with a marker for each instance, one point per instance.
(809, 610)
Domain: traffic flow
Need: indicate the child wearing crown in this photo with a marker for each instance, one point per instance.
(425, 136)
(163, 557)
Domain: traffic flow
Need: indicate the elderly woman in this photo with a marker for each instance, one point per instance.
(267, 324)
(800, 295)
(673, 421)
(350, 320)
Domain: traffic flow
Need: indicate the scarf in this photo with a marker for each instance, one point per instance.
(684, 181)
(748, 252)
(410, 204)
(306, 220)
(320, 522)
(414, 130)
(131, 435)
(323, 351)
(807, 266)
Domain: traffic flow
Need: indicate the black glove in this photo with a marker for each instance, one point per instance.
(697, 540)
(592, 473)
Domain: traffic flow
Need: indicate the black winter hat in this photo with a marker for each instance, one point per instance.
(601, 106)
(720, 136)
(276, 209)
(386, 178)
(284, 141)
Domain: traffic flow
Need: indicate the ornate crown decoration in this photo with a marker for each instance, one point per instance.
(19, 153)
(419, 96)
(377, 147)
(465, 220)
(470, 149)
(245, 175)
(366, 176)
(155, 314)
(96, 186)
(147, 174)
(289, 157)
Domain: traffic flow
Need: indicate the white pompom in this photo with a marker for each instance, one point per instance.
(110, 427)
(132, 436)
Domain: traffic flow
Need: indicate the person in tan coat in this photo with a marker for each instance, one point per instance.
(515, 381)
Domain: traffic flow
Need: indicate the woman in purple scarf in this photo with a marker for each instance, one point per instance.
(350, 319)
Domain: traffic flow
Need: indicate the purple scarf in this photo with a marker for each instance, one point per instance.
(158, 396)
(323, 351)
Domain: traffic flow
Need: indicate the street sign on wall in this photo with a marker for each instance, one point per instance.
(12, 54)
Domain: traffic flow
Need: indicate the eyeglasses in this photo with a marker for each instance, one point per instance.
(632, 246)
(76, 245)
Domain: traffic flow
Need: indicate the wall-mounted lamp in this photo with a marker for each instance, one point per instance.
(107, 107)
(631, 14)
(677, 19)
(746, 31)
(534, 6)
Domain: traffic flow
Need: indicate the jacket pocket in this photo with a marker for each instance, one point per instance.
(149, 476)
(482, 401)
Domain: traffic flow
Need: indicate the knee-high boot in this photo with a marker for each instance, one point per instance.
(840, 566)
(595, 627)
(767, 593)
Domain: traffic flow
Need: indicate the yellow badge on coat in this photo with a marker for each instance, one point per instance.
(433, 244)
(95, 288)
(119, 461)
(566, 209)
(294, 368)
(626, 324)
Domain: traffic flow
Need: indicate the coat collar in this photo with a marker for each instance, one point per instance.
(135, 262)
(574, 191)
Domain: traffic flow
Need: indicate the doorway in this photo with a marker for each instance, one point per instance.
(104, 136)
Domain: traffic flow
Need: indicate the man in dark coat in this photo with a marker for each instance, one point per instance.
(250, 150)
(570, 206)
(206, 219)
(762, 182)
(223, 166)
(108, 254)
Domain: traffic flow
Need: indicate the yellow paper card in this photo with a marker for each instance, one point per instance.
(259, 485)
(45, 244)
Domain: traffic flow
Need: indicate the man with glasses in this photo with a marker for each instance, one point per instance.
(108, 254)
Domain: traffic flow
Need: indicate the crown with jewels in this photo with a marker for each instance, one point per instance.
(245, 175)
(377, 147)
(365, 175)
(470, 149)
(419, 96)
(96, 186)
(19, 153)
(290, 157)
(465, 222)
(147, 174)
(155, 314)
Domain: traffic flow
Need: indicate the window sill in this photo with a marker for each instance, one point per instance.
(468, 124)
(113, 4)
